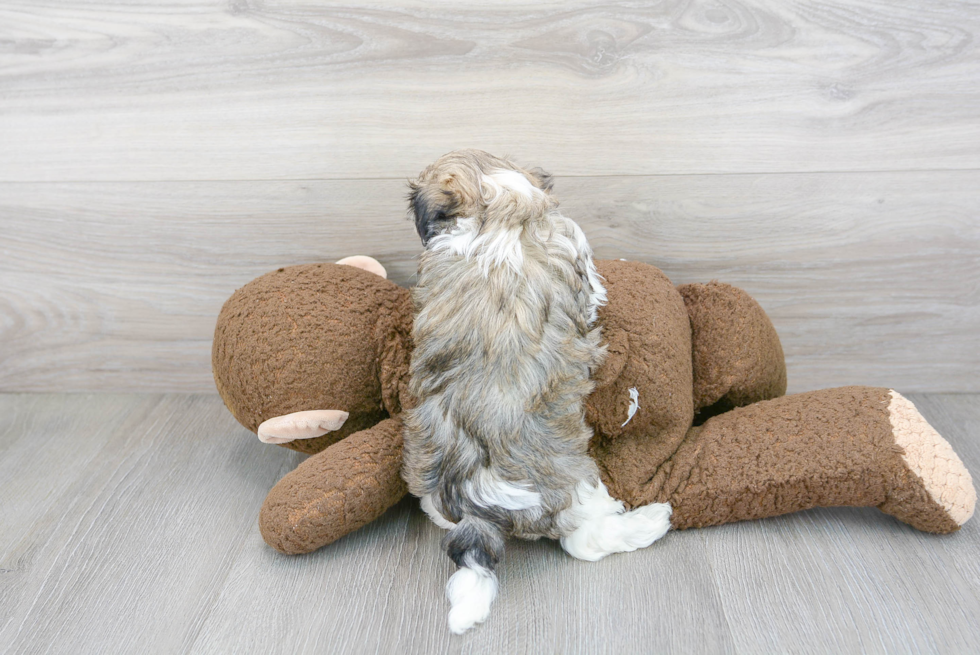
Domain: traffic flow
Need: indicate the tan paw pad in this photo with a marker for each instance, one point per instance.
(931, 458)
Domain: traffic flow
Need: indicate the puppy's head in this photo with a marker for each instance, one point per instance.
(466, 183)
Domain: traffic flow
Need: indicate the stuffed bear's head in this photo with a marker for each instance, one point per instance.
(306, 338)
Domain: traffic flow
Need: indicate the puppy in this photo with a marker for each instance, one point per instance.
(504, 334)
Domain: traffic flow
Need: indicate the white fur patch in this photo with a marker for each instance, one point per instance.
(500, 247)
(577, 246)
(597, 292)
(460, 240)
(429, 507)
(488, 490)
(634, 405)
(470, 591)
(600, 526)
(512, 180)
(503, 247)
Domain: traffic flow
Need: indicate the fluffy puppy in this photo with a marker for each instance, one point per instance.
(506, 300)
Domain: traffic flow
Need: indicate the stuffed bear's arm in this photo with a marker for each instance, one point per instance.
(851, 446)
(737, 356)
(336, 491)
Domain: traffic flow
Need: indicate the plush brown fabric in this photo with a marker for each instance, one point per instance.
(335, 492)
(819, 449)
(335, 337)
(737, 356)
(304, 337)
(649, 323)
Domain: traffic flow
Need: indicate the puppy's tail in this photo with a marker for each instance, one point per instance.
(476, 545)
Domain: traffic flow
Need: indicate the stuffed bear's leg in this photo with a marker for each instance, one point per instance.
(737, 357)
(856, 446)
(336, 491)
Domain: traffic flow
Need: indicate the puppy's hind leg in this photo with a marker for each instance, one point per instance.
(476, 546)
(597, 524)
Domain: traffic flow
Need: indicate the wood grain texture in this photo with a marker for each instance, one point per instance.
(870, 278)
(127, 551)
(208, 90)
(958, 419)
(811, 571)
(128, 524)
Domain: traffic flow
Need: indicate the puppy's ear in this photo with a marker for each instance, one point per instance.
(543, 178)
(434, 207)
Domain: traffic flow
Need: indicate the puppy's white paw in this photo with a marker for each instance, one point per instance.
(648, 523)
(471, 592)
(599, 536)
(301, 425)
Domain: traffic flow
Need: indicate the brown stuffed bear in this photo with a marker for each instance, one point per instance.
(687, 407)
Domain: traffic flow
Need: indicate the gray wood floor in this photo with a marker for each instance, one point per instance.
(128, 524)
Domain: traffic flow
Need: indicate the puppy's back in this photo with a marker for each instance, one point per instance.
(503, 351)
(497, 444)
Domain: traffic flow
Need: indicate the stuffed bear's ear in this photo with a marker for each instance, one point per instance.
(363, 262)
(434, 206)
(543, 178)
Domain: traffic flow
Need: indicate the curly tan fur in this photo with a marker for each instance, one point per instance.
(504, 347)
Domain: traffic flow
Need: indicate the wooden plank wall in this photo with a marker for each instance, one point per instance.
(825, 156)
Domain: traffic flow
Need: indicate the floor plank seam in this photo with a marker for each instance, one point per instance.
(557, 176)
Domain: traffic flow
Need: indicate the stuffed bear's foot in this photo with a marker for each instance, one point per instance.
(934, 492)
(850, 446)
